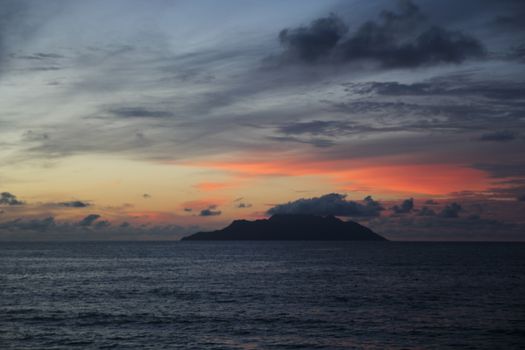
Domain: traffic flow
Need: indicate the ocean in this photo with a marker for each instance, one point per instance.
(262, 295)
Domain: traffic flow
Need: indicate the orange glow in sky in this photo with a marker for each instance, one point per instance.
(429, 179)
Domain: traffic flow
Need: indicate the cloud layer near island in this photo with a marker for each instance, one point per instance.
(330, 204)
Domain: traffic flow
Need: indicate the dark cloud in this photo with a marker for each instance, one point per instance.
(397, 39)
(426, 211)
(210, 212)
(505, 188)
(498, 136)
(474, 217)
(20, 20)
(31, 136)
(316, 142)
(7, 198)
(10, 13)
(450, 211)
(521, 198)
(188, 210)
(74, 204)
(448, 86)
(512, 20)
(434, 45)
(407, 19)
(449, 104)
(48, 229)
(405, 207)
(146, 196)
(102, 224)
(44, 68)
(244, 205)
(502, 170)
(39, 225)
(139, 112)
(316, 41)
(477, 116)
(329, 204)
(517, 53)
(41, 56)
(88, 220)
(316, 127)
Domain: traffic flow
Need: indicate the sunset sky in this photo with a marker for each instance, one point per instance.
(128, 119)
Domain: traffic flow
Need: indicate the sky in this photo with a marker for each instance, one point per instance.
(135, 119)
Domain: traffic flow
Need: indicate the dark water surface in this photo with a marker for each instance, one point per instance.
(262, 295)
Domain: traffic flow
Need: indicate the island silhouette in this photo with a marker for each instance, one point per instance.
(290, 227)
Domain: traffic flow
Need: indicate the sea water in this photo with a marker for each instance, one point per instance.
(262, 295)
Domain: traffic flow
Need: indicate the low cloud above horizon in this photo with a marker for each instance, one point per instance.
(177, 115)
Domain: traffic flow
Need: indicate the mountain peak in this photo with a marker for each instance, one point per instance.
(291, 227)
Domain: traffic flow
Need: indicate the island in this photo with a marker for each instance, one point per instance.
(290, 227)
